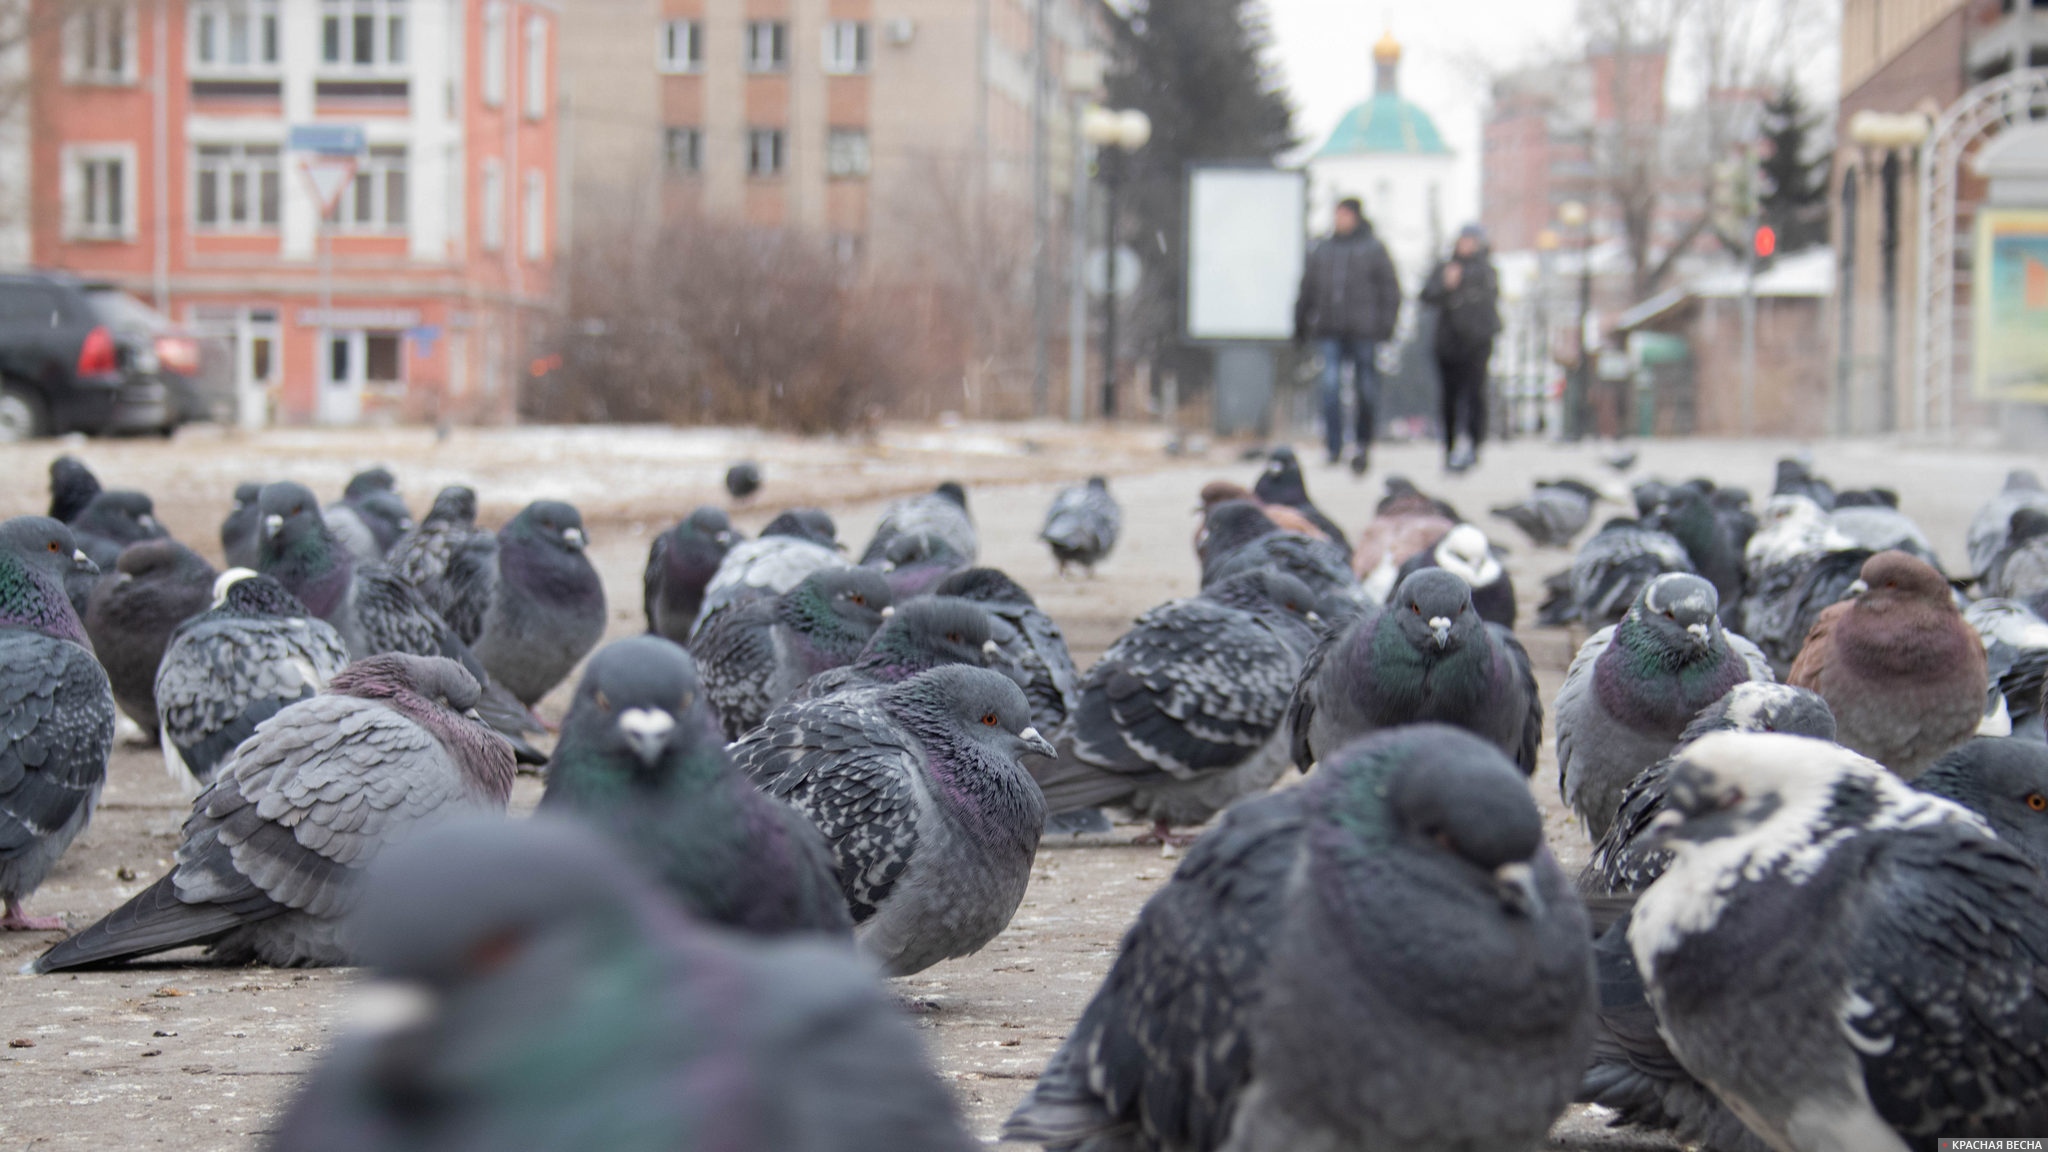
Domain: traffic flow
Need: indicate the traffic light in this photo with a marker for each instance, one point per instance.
(1763, 245)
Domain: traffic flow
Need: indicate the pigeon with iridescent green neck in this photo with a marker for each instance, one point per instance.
(756, 654)
(547, 604)
(926, 633)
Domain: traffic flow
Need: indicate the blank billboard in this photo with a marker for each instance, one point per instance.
(1246, 241)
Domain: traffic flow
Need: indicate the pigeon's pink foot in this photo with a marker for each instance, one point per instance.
(14, 921)
(1164, 837)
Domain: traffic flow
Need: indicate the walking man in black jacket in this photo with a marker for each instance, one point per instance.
(1466, 293)
(1349, 301)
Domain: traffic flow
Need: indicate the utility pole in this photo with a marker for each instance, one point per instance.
(1112, 165)
(1077, 292)
(1041, 212)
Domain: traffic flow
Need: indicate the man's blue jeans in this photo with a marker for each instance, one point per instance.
(1365, 385)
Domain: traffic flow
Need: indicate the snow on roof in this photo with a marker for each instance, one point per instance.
(1809, 274)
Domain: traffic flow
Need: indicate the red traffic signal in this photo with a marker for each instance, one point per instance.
(1766, 241)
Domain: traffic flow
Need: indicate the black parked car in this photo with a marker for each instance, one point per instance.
(83, 357)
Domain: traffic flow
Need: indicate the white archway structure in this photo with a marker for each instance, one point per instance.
(2018, 97)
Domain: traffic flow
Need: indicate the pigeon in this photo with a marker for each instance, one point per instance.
(538, 993)
(1634, 687)
(1688, 518)
(240, 531)
(755, 655)
(1625, 861)
(56, 713)
(1732, 507)
(1282, 483)
(922, 634)
(2015, 640)
(451, 561)
(680, 564)
(111, 522)
(1554, 514)
(1990, 526)
(2004, 780)
(919, 790)
(1888, 945)
(1283, 517)
(1027, 638)
(1903, 672)
(547, 604)
(792, 546)
(1427, 657)
(1384, 957)
(1882, 528)
(269, 860)
(1318, 564)
(1187, 711)
(1795, 478)
(2020, 568)
(253, 653)
(1795, 565)
(370, 517)
(1082, 524)
(156, 586)
(942, 512)
(1228, 528)
(743, 479)
(72, 487)
(1620, 460)
(1406, 522)
(915, 562)
(1611, 570)
(642, 759)
(1465, 552)
(374, 611)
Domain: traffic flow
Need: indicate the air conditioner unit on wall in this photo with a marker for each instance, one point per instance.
(900, 31)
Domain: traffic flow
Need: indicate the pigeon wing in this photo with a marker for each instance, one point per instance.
(1194, 687)
(56, 731)
(1572, 699)
(223, 677)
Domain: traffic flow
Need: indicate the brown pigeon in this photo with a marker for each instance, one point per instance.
(1406, 522)
(1902, 671)
(1283, 517)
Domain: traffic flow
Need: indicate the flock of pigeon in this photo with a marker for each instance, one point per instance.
(1815, 919)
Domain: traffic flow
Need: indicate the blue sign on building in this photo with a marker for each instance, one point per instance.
(328, 139)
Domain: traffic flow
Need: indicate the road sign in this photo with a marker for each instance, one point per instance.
(328, 139)
(328, 177)
(1095, 273)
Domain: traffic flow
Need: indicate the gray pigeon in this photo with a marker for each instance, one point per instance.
(1386, 957)
(1889, 946)
(369, 518)
(1324, 567)
(374, 611)
(1028, 638)
(1634, 687)
(547, 604)
(1882, 528)
(72, 487)
(743, 479)
(1426, 657)
(2015, 641)
(1187, 711)
(1795, 565)
(155, 586)
(559, 1004)
(270, 857)
(1990, 526)
(1627, 859)
(792, 546)
(642, 759)
(755, 655)
(1283, 483)
(110, 522)
(919, 790)
(228, 669)
(915, 562)
(680, 565)
(942, 512)
(451, 561)
(1611, 569)
(926, 633)
(241, 530)
(56, 712)
(2004, 780)
(2019, 570)
(1554, 514)
(1081, 526)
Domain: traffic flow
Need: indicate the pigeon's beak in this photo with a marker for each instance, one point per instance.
(988, 648)
(272, 525)
(574, 538)
(1518, 892)
(147, 521)
(646, 732)
(384, 1007)
(888, 611)
(723, 537)
(1035, 743)
(83, 563)
(1857, 589)
(1700, 633)
(1440, 630)
(473, 714)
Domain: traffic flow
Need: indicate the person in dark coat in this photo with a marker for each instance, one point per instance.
(1349, 301)
(1466, 293)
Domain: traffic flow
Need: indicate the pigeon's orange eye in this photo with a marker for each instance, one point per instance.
(55, 547)
(1416, 608)
(2037, 802)
(1670, 615)
(953, 637)
(990, 719)
(857, 598)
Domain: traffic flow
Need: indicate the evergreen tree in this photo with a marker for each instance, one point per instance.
(1198, 69)
(1794, 173)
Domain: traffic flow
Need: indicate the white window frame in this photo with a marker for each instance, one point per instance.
(390, 43)
(534, 208)
(669, 138)
(536, 70)
(75, 181)
(209, 37)
(767, 47)
(777, 143)
(680, 51)
(89, 33)
(373, 177)
(492, 192)
(253, 162)
(848, 48)
(846, 154)
(494, 53)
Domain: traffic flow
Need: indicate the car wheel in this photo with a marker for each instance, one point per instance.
(22, 416)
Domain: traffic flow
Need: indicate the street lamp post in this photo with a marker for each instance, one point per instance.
(1115, 134)
(1546, 254)
(1573, 214)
